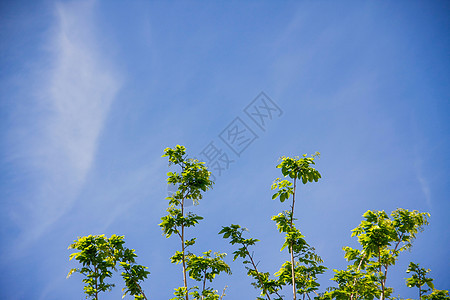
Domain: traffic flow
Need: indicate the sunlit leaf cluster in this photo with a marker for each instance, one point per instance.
(99, 257)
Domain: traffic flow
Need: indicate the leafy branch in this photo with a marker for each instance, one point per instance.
(99, 256)
(234, 233)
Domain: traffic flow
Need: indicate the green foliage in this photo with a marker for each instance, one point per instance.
(97, 263)
(175, 220)
(205, 267)
(382, 239)
(197, 294)
(132, 274)
(294, 168)
(293, 237)
(234, 232)
(202, 269)
(302, 270)
(206, 294)
(300, 168)
(192, 180)
(180, 293)
(262, 280)
(305, 276)
(419, 279)
(437, 295)
(353, 284)
(99, 256)
(379, 231)
(307, 264)
(285, 189)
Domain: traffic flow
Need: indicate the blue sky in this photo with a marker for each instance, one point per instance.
(93, 91)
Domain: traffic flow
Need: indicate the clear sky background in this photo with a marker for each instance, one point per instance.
(93, 91)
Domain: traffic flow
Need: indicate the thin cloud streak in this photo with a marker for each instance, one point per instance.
(424, 186)
(78, 91)
(418, 145)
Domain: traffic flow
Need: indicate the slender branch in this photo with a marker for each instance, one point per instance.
(354, 281)
(293, 271)
(360, 262)
(204, 284)
(382, 280)
(291, 246)
(276, 293)
(183, 250)
(96, 284)
(179, 234)
(293, 202)
(383, 283)
(140, 289)
(257, 273)
(137, 284)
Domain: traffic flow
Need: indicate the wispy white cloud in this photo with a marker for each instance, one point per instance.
(419, 158)
(418, 168)
(424, 186)
(77, 90)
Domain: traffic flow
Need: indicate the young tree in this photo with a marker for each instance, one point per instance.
(302, 270)
(307, 265)
(382, 239)
(192, 180)
(99, 256)
(419, 279)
